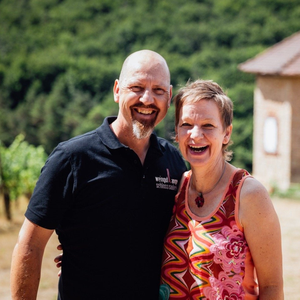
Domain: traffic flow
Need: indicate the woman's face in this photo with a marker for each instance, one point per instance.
(200, 133)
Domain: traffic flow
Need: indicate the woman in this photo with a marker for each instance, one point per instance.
(224, 239)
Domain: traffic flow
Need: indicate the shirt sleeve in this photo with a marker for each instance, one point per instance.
(53, 191)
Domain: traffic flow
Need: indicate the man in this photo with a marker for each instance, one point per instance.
(109, 195)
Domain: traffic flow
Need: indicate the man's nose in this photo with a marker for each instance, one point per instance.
(147, 97)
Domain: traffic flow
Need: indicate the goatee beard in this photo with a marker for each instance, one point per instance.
(142, 131)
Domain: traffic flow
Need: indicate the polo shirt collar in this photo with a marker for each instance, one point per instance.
(110, 140)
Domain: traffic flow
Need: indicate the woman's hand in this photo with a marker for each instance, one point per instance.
(58, 259)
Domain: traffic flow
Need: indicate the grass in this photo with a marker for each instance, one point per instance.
(292, 193)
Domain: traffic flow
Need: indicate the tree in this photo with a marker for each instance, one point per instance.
(59, 58)
(20, 166)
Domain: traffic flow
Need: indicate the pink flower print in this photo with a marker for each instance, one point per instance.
(230, 249)
(225, 288)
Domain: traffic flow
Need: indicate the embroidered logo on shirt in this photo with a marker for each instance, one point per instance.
(166, 183)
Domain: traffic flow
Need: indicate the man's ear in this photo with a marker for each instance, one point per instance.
(116, 90)
(227, 135)
(170, 95)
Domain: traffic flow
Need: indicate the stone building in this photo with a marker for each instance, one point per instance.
(276, 137)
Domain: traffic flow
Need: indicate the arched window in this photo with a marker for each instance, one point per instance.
(270, 138)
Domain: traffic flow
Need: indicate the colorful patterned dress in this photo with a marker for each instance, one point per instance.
(208, 258)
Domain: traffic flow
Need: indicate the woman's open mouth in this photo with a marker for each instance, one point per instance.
(198, 149)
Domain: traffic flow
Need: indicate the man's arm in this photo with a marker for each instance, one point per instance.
(27, 260)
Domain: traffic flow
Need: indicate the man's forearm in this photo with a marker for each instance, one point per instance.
(25, 272)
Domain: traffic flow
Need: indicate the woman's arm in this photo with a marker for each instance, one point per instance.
(263, 234)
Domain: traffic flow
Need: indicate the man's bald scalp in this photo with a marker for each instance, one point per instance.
(142, 55)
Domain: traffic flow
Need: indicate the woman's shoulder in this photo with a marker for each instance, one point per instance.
(253, 188)
(255, 201)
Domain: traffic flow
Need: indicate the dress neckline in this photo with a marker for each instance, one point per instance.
(207, 217)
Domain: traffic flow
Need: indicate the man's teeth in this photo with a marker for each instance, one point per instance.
(145, 111)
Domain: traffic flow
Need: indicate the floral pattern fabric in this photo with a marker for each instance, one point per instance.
(207, 259)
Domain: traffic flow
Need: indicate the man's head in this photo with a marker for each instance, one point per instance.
(143, 92)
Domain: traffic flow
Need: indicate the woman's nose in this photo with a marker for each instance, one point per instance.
(196, 133)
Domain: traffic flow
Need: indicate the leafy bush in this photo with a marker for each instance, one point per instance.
(20, 165)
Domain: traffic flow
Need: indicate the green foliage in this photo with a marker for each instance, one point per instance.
(292, 193)
(20, 167)
(59, 58)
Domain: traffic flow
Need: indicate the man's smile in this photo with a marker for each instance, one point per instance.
(145, 111)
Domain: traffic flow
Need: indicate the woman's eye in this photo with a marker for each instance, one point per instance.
(208, 126)
(185, 124)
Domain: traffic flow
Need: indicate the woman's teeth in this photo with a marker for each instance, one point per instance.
(198, 149)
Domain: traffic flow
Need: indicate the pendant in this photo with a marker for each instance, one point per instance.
(199, 200)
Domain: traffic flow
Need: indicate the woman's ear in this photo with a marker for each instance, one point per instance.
(176, 135)
(227, 135)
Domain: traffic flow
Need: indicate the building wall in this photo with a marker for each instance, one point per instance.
(294, 86)
(272, 99)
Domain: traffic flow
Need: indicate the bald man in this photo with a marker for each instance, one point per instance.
(109, 195)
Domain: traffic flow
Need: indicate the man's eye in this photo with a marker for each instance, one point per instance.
(159, 91)
(136, 88)
(208, 125)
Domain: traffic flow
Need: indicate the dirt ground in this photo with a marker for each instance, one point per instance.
(288, 212)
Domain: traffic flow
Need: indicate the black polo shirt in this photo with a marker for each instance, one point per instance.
(110, 212)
